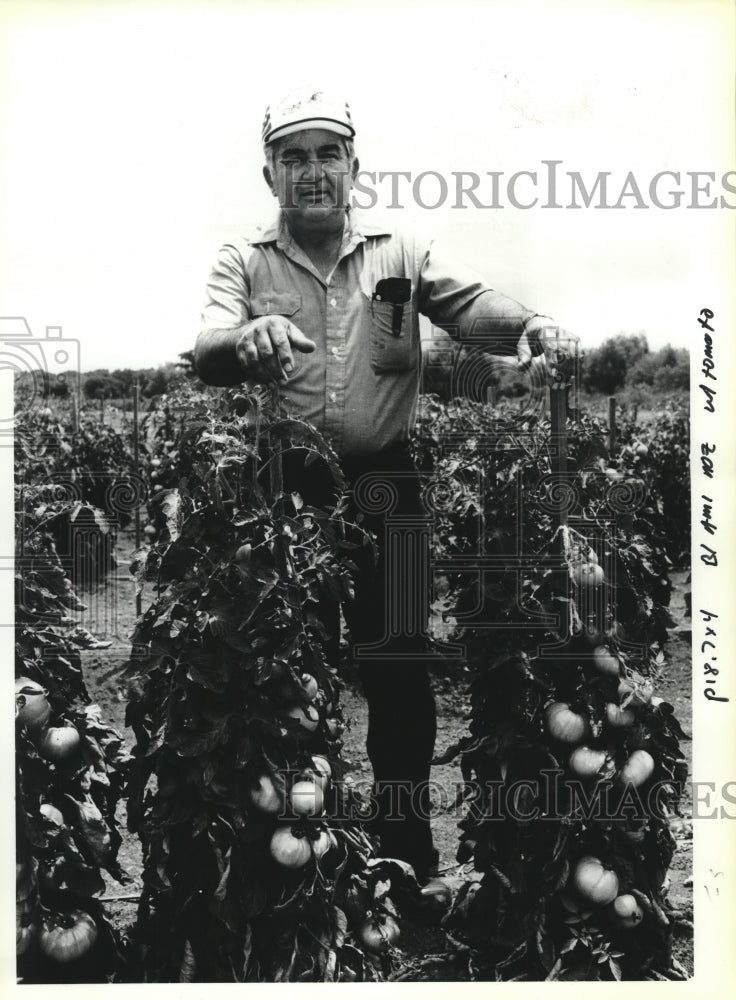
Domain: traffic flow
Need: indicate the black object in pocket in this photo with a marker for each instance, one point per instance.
(395, 291)
(393, 347)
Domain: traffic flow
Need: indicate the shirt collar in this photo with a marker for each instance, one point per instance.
(357, 230)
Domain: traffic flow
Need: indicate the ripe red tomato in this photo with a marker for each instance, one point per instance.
(31, 704)
(588, 575)
(619, 718)
(605, 662)
(310, 685)
(637, 769)
(59, 743)
(378, 933)
(306, 798)
(288, 849)
(67, 936)
(52, 814)
(563, 724)
(626, 911)
(268, 795)
(595, 882)
(586, 762)
(323, 771)
(307, 716)
(324, 842)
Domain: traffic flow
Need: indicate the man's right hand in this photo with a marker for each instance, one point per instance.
(266, 345)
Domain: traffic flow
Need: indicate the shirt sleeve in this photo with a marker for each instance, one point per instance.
(227, 297)
(456, 299)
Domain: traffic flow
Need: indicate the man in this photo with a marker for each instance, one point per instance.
(327, 305)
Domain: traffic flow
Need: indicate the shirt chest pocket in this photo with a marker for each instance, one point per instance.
(286, 304)
(393, 333)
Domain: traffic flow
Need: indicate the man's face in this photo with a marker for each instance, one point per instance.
(312, 175)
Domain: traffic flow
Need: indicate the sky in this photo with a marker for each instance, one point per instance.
(129, 151)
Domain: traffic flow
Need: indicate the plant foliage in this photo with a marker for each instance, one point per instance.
(220, 704)
(535, 625)
(66, 800)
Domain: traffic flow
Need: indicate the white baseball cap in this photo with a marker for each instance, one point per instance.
(307, 108)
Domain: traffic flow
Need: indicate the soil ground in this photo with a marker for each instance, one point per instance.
(425, 953)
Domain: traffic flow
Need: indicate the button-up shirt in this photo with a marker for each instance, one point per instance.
(359, 387)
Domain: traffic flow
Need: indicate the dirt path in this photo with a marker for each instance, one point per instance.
(111, 615)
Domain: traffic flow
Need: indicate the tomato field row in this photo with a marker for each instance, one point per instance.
(259, 863)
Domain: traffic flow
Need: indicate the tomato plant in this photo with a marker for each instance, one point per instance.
(564, 621)
(659, 453)
(90, 463)
(255, 857)
(70, 770)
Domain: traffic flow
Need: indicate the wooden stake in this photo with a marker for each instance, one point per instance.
(136, 471)
(558, 417)
(611, 423)
(558, 395)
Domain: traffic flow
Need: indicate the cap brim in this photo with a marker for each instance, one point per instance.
(328, 124)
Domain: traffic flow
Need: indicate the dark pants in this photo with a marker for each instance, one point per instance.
(388, 621)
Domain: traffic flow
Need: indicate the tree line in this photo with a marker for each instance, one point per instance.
(626, 361)
(621, 362)
(102, 383)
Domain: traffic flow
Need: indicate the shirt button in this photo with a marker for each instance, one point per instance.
(333, 302)
(333, 397)
(336, 351)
